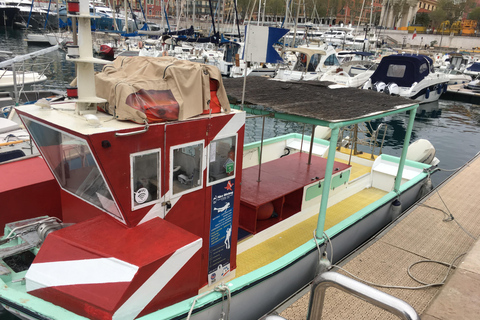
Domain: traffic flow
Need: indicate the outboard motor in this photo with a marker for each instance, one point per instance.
(379, 86)
(392, 89)
(368, 85)
(422, 151)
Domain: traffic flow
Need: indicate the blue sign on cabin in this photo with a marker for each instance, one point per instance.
(220, 230)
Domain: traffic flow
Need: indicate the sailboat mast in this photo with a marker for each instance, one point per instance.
(177, 10)
(236, 21)
(295, 28)
(263, 14)
(259, 11)
(287, 9)
(126, 17)
(162, 4)
(58, 17)
(213, 19)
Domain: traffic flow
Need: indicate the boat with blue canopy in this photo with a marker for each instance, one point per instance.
(410, 76)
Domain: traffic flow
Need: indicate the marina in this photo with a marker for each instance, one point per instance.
(165, 191)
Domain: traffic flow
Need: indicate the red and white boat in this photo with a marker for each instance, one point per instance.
(141, 219)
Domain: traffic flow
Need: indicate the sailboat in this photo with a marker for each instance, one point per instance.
(157, 189)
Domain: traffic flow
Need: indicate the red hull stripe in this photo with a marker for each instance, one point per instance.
(77, 272)
(142, 297)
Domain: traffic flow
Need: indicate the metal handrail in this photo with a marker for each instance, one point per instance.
(376, 297)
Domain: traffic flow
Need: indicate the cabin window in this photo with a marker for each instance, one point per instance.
(314, 61)
(186, 168)
(73, 165)
(222, 155)
(396, 71)
(301, 62)
(331, 61)
(423, 68)
(145, 178)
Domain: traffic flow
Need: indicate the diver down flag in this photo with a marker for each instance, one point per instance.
(259, 44)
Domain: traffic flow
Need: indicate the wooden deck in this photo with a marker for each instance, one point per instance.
(422, 234)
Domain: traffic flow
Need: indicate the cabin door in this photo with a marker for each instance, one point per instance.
(184, 174)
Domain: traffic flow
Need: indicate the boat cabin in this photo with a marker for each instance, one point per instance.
(402, 69)
(144, 198)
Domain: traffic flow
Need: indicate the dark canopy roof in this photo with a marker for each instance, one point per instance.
(474, 67)
(313, 99)
(417, 67)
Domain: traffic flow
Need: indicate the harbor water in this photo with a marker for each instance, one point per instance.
(452, 127)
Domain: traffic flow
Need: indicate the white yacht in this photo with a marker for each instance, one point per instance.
(307, 63)
(338, 35)
(352, 73)
(410, 76)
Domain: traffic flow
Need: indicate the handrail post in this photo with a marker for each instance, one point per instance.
(327, 180)
(406, 142)
(376, 297)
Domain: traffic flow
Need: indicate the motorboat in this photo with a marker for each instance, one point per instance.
(473, 69)
(473, 85)
(355, 69)
(8, 13)
(103, 19)
(353, 73)
(453, 65)
(338, 35)
(149, 205)
(455, 76)
(32, 16)
(410, 76)
(19, 78)
(37, 38)
(307, 63)
(25, 80)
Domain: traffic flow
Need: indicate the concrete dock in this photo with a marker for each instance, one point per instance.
(427, 232)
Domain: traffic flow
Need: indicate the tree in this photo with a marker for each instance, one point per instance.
(474, 14)
(438, 16)
(423, 19)
(454, 10)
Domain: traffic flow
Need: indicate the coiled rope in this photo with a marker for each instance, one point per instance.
(449, 217)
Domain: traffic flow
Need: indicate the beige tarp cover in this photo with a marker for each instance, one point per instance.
(189, 82)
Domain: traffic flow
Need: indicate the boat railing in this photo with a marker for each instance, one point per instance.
(353, 287)
(364, 134)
